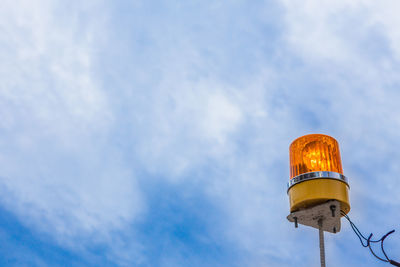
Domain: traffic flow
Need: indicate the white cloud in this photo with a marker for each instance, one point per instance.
(179, 115)
(339, 31)
(195, 126)
(58, 172)
(221, 117)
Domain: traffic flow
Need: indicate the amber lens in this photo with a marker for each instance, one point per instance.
(314, 152)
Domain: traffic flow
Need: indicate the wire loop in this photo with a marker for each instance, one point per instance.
(368, 240)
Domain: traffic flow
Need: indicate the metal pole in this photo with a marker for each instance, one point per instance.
(321, 243)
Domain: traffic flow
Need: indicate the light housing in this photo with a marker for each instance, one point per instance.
(316, 173)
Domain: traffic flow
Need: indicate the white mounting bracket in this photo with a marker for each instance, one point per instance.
(328, 213)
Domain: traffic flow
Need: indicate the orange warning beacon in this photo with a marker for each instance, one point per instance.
(316, 173)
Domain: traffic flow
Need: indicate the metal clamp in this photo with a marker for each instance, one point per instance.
(317, 175)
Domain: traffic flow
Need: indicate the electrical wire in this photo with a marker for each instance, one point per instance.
(368, 241)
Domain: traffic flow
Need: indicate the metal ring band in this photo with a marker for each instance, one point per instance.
(317, 175)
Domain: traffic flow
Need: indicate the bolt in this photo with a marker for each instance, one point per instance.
(333, 208)
(295, 222)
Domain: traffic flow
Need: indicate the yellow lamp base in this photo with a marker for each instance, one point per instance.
(313, 192)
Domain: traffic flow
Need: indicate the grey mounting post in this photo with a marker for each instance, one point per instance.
(324, 217)
(321, 243)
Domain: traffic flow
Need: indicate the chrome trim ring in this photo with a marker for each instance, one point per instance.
(317, 175)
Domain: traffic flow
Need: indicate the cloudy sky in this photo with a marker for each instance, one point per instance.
(156, 133)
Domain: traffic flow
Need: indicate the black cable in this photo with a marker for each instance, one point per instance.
(373, 253)
(361, 237)
(358, 232)
(383, 239)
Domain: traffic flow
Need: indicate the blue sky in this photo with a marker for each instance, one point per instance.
(156, 133)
